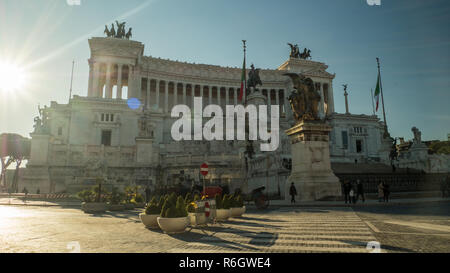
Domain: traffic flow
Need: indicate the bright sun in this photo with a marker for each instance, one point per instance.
(12, 77)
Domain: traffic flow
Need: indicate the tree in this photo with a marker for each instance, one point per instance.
(13, 148)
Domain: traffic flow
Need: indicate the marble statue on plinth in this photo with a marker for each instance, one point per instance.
(311, 168)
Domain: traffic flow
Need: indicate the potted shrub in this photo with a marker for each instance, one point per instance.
(196, 213)
(138, 201)
(129, 195)
(92, 200)
(223, 211)
(150, 216)
(174, 216)
(238, 208)
(115, 200)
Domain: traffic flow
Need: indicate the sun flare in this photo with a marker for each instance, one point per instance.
(12, 77)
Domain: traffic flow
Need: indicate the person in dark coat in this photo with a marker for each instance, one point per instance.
(359, 190)
(347, 188)
(292, 192)
(386, 192)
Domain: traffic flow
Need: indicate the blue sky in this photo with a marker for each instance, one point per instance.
(411, 37)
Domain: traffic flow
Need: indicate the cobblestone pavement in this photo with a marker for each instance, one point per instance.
(55, 229)
(413, 228)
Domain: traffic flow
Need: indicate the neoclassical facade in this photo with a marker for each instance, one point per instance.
(103, 135)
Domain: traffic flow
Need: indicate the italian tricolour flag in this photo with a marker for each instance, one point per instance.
(243, 82)
(377, 92)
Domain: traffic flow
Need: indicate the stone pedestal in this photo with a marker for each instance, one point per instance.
(311, 169)
(144, 150)
(39, 149)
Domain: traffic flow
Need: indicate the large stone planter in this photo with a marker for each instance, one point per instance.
(94, 207)
(173, 225)
(129, 206)
(149, 220)
(223, 214)
(237, 212)
(197, 219)
(115, 207)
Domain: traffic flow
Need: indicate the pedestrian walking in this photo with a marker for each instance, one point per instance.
(380, 192)
(293, 193)
(352, 195)
(359, 190)
(346, 187)
(386, 192)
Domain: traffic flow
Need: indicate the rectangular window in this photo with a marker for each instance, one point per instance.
(103, 117)
(112, 117)
(344, 140)
(59, 131)
(106, 137)
(358, 146)
(107, 117)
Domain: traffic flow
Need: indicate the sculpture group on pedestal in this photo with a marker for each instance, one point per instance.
(304, 99)
(120, 33)
(295, 52)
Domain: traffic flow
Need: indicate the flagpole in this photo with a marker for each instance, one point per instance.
(382, 99)
(244, 92)
(373, 105)
(71, 80)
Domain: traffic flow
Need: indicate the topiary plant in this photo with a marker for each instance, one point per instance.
(188, 198)
(181, 207)
(116, 196)
(191, 207)
(226, 202)
(239, 201)
(170, 201)
(87, 196)
(152, 208)
(219, 204)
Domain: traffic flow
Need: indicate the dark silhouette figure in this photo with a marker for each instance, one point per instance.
(347, 188)
(359, 191)
(386, 192)
(292, 192)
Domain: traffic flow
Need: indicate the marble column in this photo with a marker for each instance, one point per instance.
(193, 93)
(269, 100)
(119, 81)
(218, 95)
(96, 85)
(175, 93)
(330, 98)
(227, 93)
(148, 93)
(130, 82)
(235, 96)
(157, 93)
(210, 95)
(91, 78)
(166, 97)
(184, 93)
(108, 87)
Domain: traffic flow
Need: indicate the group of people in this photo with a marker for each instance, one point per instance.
(353, 192)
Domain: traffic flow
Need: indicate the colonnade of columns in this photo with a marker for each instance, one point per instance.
(164, 94)
(104, 76)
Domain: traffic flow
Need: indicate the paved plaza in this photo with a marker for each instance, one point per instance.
(421, 228)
